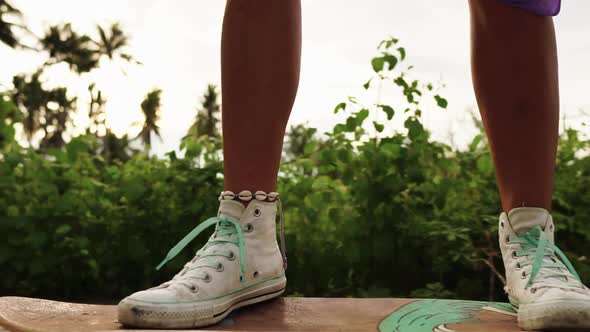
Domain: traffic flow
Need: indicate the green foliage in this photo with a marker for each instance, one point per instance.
(369, 211)
(433, 291)
(402, 215)
(300, 141)
(72, 220)
(9, 115)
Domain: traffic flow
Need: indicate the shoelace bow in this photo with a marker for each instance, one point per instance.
(536, 246)
(225, 228)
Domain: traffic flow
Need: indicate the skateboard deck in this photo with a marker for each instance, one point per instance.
(282, 314)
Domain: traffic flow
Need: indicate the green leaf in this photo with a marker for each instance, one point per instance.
(388, 43)
(475, 143)
(309, 147)
(401, 82)
(415, 128)
(339, 107)
(441, 102)
(392, 149)
(171, 155)
(366, 85)
(391, 61)
(361, 116)
(7, 133)
(63, 229)
(377, 64)
(75, 147)
(379, 127)
(402, 52)
(12, 211)
(485, 164)
(339, 128)
(388, 110)
(351, 123)
(97, 183)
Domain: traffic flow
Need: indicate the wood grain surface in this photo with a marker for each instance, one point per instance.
(283, 314)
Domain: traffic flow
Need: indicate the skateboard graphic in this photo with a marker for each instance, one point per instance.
(450, 316)
(283, 314)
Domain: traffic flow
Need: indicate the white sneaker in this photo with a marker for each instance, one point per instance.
(241, 264)
(541, 283)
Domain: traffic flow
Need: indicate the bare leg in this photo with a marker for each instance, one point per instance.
(514, 65)
(260, 60)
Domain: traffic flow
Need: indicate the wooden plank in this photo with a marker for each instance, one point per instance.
(283, 314)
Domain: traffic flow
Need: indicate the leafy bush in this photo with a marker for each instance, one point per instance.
(370, 211)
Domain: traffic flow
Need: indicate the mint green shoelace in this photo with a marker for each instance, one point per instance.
(224, 229)
(536, 246)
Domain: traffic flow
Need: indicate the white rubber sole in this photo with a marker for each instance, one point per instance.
(196, 314)
(558, 314)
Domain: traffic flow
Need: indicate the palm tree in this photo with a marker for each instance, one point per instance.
(66, 45)
(81, 52)
(206, 121)
(6, 26)
(112, 42)
(31, 99)
(96, 112)
(150, 106)
(56, 118)
(46, 111)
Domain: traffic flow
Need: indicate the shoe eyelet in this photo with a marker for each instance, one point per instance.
(207, 278)
(551, 228)
(533, 290)
(257, 212)
(249, 228)
(514, 255)
(232, 256)
(255, 274)
(220, 267)
(518, 267)
(523, 275)
(501, 224)
(194, 289)
(507, 239)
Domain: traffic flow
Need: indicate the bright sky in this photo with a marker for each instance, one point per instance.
(178, 43)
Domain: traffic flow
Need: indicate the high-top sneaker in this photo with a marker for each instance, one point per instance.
(542, 285)
(241, 264)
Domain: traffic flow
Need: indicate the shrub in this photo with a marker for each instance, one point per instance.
(370, 211)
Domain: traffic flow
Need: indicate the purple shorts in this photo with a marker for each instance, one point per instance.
(538, 7)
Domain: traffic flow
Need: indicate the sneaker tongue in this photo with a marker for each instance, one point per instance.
(231, 209)
(523, 219)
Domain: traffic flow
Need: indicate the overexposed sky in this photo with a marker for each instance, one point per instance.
(179, 41)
